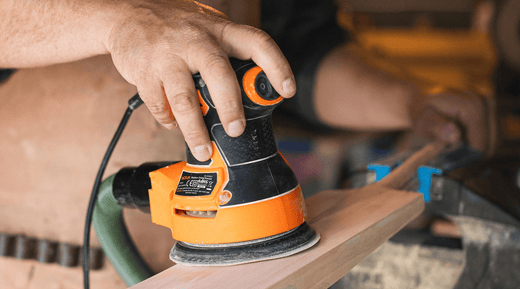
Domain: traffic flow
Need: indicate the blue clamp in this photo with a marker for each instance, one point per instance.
(424, 174)
(380, 170)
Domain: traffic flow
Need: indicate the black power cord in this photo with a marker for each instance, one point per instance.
(133, 104)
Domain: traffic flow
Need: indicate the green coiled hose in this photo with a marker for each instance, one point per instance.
(114, 238)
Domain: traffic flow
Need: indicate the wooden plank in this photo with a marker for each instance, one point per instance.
(352, 223)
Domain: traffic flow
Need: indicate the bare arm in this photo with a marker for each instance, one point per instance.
(351, 94)
(36, 33)
(155, 45)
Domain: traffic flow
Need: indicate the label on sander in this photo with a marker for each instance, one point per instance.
(196, 184)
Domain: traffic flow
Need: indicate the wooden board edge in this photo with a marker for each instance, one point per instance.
(336, 268)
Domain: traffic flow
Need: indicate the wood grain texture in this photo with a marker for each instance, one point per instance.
(352, 223)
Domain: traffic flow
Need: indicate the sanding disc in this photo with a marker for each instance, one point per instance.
(278, 246)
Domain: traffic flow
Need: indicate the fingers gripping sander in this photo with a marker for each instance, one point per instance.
(245, 203)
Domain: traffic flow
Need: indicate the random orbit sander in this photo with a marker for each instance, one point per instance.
(245, 203)
(242, 205)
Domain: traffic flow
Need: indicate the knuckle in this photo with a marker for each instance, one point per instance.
(229, 109)
(282, 67)
(262, 40)
(183, 102)
(196, 134)
(157, 107)
(227, 27)
(161, 112)
(216, 64)
(195, 32)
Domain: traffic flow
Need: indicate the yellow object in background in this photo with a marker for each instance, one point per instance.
(435, 59)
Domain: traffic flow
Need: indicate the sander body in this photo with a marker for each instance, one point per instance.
(245, 203)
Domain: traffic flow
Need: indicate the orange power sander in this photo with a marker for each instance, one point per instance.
(245, 203)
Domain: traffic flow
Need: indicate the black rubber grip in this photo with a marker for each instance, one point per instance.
(257, 142)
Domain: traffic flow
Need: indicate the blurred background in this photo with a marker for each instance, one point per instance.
(58, 120)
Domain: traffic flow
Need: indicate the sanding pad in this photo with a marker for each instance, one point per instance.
(277, 246)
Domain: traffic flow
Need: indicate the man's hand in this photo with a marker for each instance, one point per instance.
(158, 46)
(453, 118)
(155, 45)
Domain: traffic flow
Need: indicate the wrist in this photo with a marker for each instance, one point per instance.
(111, 17)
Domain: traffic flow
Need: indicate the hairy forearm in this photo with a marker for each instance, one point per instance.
(42, 32)
(156, 45)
